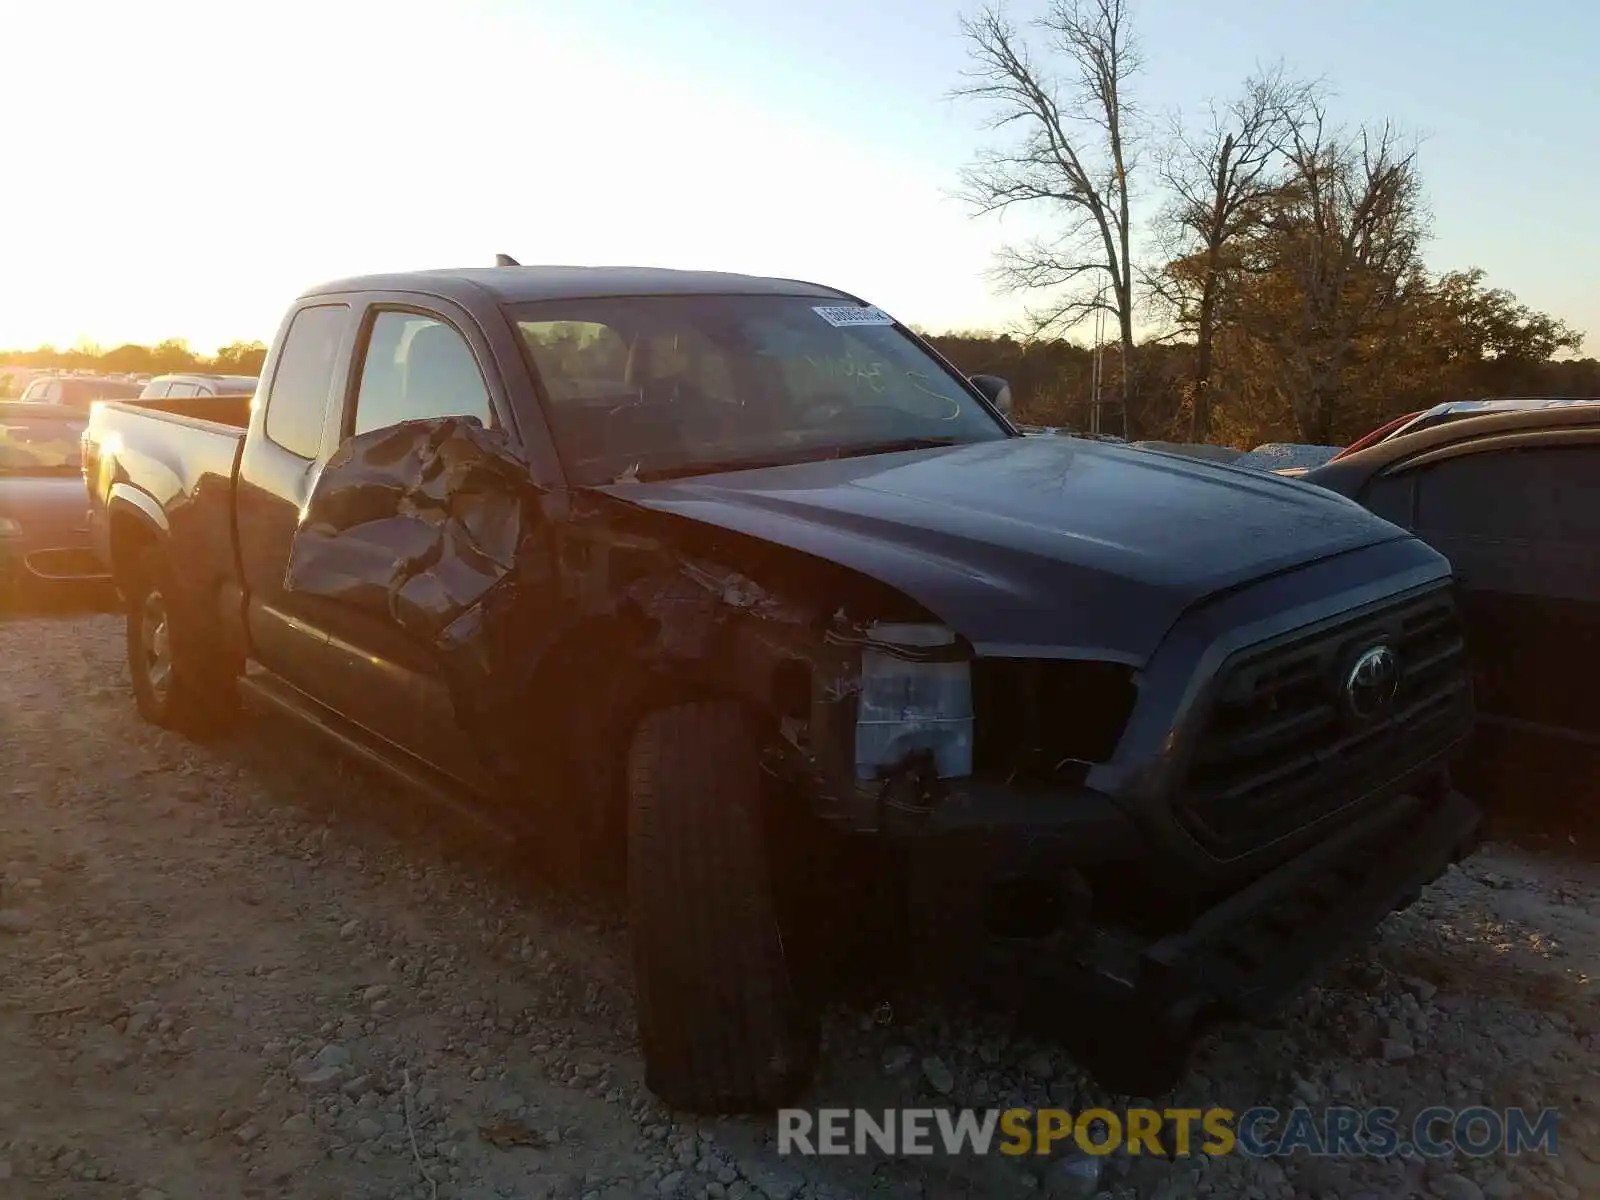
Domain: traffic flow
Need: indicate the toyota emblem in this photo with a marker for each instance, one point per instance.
(1373, 681)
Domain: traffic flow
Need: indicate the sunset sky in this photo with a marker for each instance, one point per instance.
(184, 169)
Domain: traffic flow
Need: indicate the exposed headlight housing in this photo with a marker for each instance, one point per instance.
(915, 699)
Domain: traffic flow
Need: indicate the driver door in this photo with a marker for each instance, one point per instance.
(412, 363)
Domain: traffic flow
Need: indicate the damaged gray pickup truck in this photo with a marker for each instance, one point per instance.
(735, 586)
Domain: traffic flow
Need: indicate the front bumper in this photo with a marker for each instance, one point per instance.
(1247, 954)
(1130, 1005)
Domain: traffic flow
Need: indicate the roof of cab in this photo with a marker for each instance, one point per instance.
(519, 284)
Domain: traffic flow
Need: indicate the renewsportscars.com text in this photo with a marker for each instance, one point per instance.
(1261, 1132)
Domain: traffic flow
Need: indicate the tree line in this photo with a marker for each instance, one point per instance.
(169, 357)
(1476, 342)
(1283, 266)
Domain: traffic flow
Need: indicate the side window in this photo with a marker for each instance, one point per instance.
(1517, 522)
(416, 368)
(154, 391)
(44, 391)
(297, 403)
(1532, 494)
(177, 390)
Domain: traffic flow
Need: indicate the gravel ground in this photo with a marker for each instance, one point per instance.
(247, 969)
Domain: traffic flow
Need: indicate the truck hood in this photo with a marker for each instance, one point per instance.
(1034, 547)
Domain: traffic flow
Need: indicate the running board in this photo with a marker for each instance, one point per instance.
(261, 689)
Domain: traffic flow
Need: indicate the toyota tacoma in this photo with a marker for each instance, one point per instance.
(724, 584)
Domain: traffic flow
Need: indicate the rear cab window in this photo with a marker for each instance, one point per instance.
(302, 382)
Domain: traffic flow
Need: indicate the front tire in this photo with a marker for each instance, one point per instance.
(721, 1022)
(173, 684)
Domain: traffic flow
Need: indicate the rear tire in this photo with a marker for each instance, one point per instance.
(175, 683)
(723, 1027)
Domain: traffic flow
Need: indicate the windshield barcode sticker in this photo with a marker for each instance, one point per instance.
(841, 315)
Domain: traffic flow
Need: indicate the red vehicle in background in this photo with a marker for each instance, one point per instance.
(1377, 435)
(1454, 410)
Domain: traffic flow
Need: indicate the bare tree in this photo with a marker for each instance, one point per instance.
(1220, 178)
(1074, 152)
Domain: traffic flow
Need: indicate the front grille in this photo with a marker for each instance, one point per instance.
(1047, 721)
(1278, 748)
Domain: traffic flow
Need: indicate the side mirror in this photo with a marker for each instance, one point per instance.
(995, 390)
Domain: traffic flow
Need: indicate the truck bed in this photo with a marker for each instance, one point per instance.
(155, 460)
(233, 411)
(162, 448)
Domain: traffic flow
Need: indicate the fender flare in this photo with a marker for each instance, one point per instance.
(124, 497)
(126, 503)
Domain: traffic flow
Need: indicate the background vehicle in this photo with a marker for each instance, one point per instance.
(76, 391)
(1377, 435)
(1455, 410)
(813, 637)
(175, 387)
(44, 536)
(1513, 500)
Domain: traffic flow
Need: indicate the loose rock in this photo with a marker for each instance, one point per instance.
(939, 1077)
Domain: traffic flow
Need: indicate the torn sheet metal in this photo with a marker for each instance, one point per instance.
(426, 524)
(716, 623)
(435, 528)
(692, 606)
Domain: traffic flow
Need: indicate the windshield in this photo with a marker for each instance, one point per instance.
(39, 445)
(656, 386)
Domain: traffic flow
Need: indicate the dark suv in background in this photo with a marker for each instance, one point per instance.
(1509, 491)
(77, 391)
